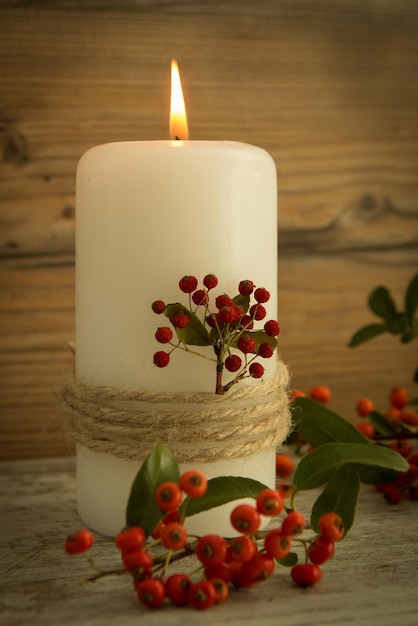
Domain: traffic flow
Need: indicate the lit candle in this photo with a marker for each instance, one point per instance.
(148, 213)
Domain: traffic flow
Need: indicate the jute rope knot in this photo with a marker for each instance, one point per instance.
(199, 427)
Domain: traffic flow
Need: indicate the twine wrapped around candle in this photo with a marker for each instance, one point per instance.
(198, 427)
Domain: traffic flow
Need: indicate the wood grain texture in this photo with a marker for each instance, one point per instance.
(369, 582)
(327, 87)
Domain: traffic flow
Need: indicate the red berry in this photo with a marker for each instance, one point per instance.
(293, 524)
(161, 359)
(164, 334)
(210, 281)
(245, 519)
(399, 397)
(331, 526)
(320, 550)
(246, 287)
(297, 393)
(269, 502)
(158, 306)
(168, 496)
(393, 414)
(221, 589)
(200, 297)
(202, 595)
(246, 344)
(223, 300)
(233, 363)
(306, 574)
(257, 312)
(364, 406)
(151, 592)
(229, 314)
(177, 588)
(79, 542)
(272, 328)
(284, 465)
(174, 536)
(193, 483)
(414, 459)
(242, 549)
(261, 295)
(265, 350)
(211, 549)
(180, 320)
(277, 544)
(257, 570)
(219, 570)
(132, 537)
(256, 370)
(247, 322)
(285, 489)
(409, 417)
(188, 284)
(211, 320)
(366, 429)
(391, 493)
(139, 562)
(320, 393)
(402, 446)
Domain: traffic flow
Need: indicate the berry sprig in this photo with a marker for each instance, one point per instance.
(247, 559)
(225, 323)
(394, 429)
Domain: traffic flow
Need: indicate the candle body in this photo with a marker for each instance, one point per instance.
(148, 213)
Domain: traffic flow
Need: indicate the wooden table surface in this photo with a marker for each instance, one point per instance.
(371, 580)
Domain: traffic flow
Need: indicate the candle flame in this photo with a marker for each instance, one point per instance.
(178, 118)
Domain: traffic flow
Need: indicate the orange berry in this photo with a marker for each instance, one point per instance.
(284, 465)
(285, 489)
(399, 397)
(393, 414)
(409, 417)
(320, 393)
(364, 406)
(297, 393)
(365, 428)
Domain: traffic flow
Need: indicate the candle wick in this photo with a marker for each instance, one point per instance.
(177, 138)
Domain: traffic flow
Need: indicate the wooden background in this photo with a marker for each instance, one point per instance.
(328, 87)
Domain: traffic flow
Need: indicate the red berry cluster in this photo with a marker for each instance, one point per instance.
(247, 559)
(398, 418)
(227, 327)
(403, 422)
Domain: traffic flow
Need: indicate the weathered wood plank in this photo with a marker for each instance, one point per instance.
(368, 582)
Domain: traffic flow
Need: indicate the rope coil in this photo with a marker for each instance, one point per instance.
(200, 427)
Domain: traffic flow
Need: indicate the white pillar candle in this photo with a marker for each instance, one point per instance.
(148, 213)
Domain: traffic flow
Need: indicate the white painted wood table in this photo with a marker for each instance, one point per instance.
(371, 580)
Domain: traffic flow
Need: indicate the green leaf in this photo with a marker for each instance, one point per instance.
(382, 304)
(317, 467)
(411, 298)
(195, 333)
(320, 425)
(221, 490)
(398, 324)
(366, 333)
(339, 496)
(382, 425)
(160, 466)
(288, 561)
(242, 301)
